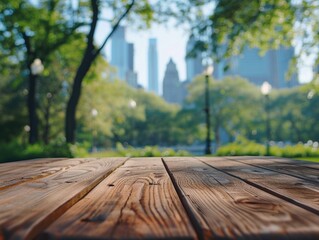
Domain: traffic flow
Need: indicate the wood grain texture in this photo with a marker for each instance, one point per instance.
(225, 207)
(136, 201)
(16, 173)
(287, 161)
(27, 208)
(295, 190)
(284, 167)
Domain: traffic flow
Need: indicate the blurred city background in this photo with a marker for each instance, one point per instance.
(159, 78)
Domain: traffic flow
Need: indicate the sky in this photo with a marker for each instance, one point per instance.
(171, 43)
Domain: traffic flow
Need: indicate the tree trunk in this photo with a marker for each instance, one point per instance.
(87, 60)
(216, 132)
(33, 118)
(70, 120)
(46, 132)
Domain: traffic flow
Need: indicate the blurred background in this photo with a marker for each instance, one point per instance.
(159, 78)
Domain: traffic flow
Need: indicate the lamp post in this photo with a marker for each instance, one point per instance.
(94, 113)
(208, 72)
(265, 90)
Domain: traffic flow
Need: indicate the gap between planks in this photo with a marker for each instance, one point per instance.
(186, 204)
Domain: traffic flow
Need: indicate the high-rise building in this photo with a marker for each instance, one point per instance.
(194, 65)
(153, 66)
(271, 67)
(119, 52)
(131, 76)
(123, 57)
(130, 56)
(172, 89)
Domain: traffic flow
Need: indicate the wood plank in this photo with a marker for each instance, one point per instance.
(291, 169)
(298, 191)
(9, 166)
(288, 161)
(225, 207)
(136, 201)
(28, 208)
(26, 171)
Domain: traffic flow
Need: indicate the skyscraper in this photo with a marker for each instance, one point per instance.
(194, 64)
(123, 57)
(131, 76)
(172, 89)
(130, 58)
(271, 67)
(119, 52)
(153, 66)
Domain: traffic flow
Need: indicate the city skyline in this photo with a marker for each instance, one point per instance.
(271, 67)
(171, 43)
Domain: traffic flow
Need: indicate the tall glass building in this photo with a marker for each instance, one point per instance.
(153, 66)
(122, 54)
(119, 52)
(194, 64)
(172, 89)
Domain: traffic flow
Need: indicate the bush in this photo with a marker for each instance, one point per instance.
(148, 151)
(249, 148)
(14, 151)
(242, 147)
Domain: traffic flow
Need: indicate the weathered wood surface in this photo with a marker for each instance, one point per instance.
(137, 201)
(154, 198)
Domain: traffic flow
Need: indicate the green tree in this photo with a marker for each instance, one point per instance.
(232, 25)
(235, 105)
(142, 8)
(33, 30)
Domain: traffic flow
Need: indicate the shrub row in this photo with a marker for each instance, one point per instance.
(248, 148)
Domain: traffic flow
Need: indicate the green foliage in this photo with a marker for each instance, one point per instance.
(236, 106)
(225, 29)
(15, 151)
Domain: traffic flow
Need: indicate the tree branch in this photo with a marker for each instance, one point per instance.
(90, 36)
(128, 9)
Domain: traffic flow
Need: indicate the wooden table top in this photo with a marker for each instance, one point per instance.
(159, 198)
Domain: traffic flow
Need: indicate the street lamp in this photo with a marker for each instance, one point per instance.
(94, 113)
(132, 104)
(37, 67)
(208, 72)
(265, 90)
